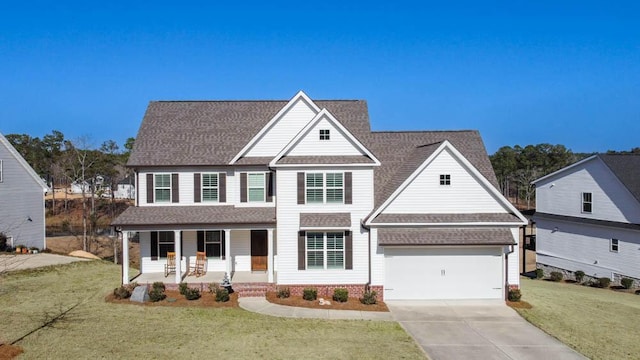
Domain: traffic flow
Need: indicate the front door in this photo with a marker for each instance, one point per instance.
(258, 250)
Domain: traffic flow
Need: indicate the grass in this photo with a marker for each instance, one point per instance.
(97, 329)
(599, 323)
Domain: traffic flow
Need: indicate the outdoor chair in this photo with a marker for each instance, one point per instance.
(200, 266)
(170, 266)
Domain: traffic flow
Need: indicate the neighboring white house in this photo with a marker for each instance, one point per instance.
(78, 187)
(304, 192)
(126, 189)
(21, 199)
(588, 217)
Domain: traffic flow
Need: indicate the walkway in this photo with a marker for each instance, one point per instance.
(260, 305)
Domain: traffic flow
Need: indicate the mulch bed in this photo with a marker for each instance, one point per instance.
(174, 299)
(519, 304)
(9, 351)
(351, 304)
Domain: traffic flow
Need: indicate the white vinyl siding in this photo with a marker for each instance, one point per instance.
(337, 144)
(209, 187)
(162, 187)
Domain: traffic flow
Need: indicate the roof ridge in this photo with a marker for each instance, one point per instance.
(420, 131)
(251, 100)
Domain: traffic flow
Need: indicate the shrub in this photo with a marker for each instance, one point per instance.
(158, 285)
(183, 288)
(579, 275)
(626, 283)
(157, 292)
(341, 295)
(514, 295)
(556, 276)
(539, 273)
(213, 287)
(121, 292)
(191, 293)
(602, 282)
(310, 294)
(283, 293)
(222, 294)
(3, 242)
(369, 297)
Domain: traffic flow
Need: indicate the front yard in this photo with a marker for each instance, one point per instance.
(94, 328)
(599, 323)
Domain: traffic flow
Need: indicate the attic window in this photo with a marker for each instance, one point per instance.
(324, 134)
(613, 245)
(587, 202)
(445, 179)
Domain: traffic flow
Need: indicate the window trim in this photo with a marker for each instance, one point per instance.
(325, 251)
(161, 241)
(156, 187)
(585, 202)
(614, 247)
(264, 186)
(445, 179)
(216, 188)
(325, 134)
(1, 171)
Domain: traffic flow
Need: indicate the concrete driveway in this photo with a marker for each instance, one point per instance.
(9, 262)
(485, 329)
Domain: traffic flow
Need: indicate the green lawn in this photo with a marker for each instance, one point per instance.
(599, 323)
(96, 329)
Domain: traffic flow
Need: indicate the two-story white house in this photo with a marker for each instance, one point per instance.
(588, 217)
(22, 219)
(303, 192)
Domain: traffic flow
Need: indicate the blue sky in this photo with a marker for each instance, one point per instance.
(520, 72)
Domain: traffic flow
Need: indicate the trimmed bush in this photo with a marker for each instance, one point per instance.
(310, 294)
(213, 287)
(121, 292)
(157, 292)
(514, 295)
(579, 275)
(602, 282)
(369, 297)
(539, 273)
(626, 283)
(340, 295)
(556, 276)
(158, 285)
(222, 294)
(182, 287)
(191, 293)
(283, 293)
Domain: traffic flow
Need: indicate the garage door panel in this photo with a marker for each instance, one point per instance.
(443, 273)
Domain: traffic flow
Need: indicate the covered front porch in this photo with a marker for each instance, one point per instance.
(208, 278)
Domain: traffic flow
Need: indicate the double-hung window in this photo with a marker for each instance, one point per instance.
(210, 187)
(587, 202)
(325, 250)
(255, 187)
(162, 185)
(613, 245)
(325, 188)
(166, 243)
(213, 244)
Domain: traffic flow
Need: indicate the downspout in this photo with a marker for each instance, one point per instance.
(506, 272)
(368, 284)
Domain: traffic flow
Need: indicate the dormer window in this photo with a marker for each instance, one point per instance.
(324, 134)
(445, 179)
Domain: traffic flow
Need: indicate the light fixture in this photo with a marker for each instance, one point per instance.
(29, 218)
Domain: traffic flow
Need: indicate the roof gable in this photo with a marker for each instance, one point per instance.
(23, 163)
(626, 167)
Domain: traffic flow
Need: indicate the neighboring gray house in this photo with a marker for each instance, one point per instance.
(21, 199)
(126, 189)
(588, 217)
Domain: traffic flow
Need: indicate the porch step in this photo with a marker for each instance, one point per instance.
(251, 289)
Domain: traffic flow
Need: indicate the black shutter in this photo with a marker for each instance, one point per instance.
(222, 245)
(347, 188)
(154, 245)
(301, 250)
(269, 187)
(137, 187)
(175, 188)
(197, 190)
(243, 187)
(149, 188)
(200, 241)
(300, 188)
(222, 187)
(348, 250)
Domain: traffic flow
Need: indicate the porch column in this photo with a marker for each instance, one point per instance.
(227, 251)
(270, 255)
(178, 250)
(125, 257)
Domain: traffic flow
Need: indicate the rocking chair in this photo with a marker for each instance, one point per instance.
(200, 266)
(170, 266)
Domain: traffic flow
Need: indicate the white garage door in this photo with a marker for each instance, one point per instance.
(443, 273)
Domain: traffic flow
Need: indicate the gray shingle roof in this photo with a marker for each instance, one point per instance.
(329, 220)
(616, 224)
(194, 215)
(626, 167)
(305, 160)
(445, 236)
(444, 218)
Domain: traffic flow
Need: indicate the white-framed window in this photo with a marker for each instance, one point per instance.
(166, 243)
(325, 188)
(613, 245)
(445, 179)
(325, 250)
(210, 188)
(587, 202)
(213, 244)
(1, 173)
(162, 187)
(255, 187)
(324, 134)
